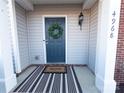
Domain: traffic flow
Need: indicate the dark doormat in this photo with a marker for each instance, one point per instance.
(55, 69)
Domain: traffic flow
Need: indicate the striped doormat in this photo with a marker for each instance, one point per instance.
(39, 82)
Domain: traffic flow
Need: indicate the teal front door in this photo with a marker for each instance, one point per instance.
(55, 40)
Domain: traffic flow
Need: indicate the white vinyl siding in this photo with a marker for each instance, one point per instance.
(93, 36)
(77, 40)
(22, 36)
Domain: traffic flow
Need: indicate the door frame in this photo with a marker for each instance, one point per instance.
(44, 37)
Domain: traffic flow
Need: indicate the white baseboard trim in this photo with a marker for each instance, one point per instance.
(105, 86)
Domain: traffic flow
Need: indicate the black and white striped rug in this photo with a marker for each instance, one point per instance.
(39, 82)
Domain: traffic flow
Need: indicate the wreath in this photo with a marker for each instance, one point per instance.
(55, 31)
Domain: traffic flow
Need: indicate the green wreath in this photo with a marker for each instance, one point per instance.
(55, 31)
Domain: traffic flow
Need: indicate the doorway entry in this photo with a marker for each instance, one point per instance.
(55, 39)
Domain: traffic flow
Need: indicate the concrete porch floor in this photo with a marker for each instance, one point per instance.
(85, 76)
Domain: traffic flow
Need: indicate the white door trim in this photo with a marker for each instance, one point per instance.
(44, 44)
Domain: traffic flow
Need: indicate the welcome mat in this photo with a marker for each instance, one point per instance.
(55, 69)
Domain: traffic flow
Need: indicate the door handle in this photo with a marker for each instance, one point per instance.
(46, 41)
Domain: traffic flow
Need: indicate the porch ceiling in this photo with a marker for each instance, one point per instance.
(86, 3)
(28, 4)
(57, 1)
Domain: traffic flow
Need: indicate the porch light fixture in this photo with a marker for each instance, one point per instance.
(81, 17)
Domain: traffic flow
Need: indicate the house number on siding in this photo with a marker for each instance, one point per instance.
(113, 24)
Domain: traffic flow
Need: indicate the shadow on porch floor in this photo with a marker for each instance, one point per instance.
(85, 77)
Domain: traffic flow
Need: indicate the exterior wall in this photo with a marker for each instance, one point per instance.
(93, 36)
(119, 69)
(77, 41)
(22, 36)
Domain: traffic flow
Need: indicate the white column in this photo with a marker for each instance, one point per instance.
(7, 76)
(12, 14)
(108, 24)
(15, 41)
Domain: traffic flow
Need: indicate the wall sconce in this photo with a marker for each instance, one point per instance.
(81, 17)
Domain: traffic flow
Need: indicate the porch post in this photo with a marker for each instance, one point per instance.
(16, 55)
(7, 76)
(108, 24)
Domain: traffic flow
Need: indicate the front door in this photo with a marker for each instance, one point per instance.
(55, 39)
